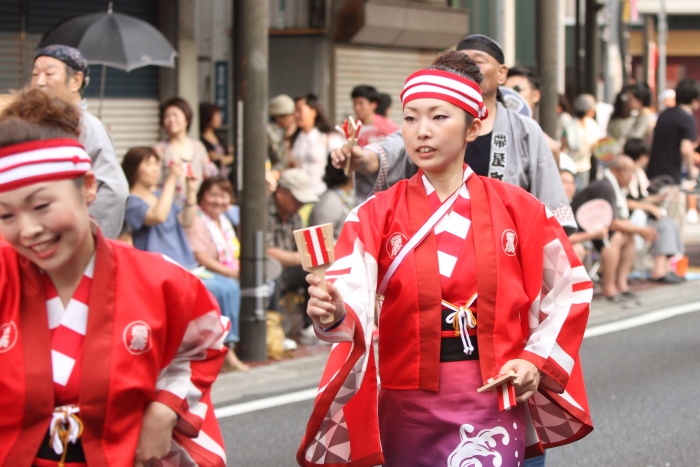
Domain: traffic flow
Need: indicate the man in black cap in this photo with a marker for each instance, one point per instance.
(510, 147)
(62, 73)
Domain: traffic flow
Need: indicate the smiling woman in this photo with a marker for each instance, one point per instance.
(175, 120)
(60, 310)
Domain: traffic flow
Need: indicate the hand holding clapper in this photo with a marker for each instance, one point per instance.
(351, 129)
(315, 246)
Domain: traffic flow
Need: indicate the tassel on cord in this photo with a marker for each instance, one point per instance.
(462, 320)
(65, 428)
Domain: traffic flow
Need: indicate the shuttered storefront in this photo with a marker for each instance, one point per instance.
(385, 69)
(130, 107)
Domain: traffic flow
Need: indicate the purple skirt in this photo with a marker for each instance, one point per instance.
(454, 427)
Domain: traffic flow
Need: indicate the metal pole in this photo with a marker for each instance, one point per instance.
(592, 48)
(251, 46)
(578, 52)
(548, 62)
(663, 37)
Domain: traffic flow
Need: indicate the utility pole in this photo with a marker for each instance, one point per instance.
(250, 19)
(592, 68)
(548, 62)
(663, 37)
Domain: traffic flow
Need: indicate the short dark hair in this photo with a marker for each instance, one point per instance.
(334, 177)
(642, 92)
(368, 92)
(216, 180)
(529, 73)
(207, 110)
(181, 104)
(636, 148)
(687, 91)
(383, 104)
(133, 159)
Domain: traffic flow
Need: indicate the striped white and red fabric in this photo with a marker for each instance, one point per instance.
(67, 326)
(506, 396)
(41, 161)
(446, 86)
(316, 245)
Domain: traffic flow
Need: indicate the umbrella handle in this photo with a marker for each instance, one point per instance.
(103, 78)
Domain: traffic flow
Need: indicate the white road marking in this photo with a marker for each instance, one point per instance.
(266, 403)
(641, 320)
(594, 331)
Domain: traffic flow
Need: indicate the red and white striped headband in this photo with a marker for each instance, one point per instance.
(446, 86)
(41, 161)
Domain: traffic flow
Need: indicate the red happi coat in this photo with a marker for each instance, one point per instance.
(176, 365)
(533, 304)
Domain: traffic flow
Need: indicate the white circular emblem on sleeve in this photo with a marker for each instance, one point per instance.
(137, 337)
(395, 243)
(509, 240)
(8, 336)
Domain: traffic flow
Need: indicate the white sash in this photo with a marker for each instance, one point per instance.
(420, 235)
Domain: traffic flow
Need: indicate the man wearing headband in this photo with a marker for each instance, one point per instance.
(451, 264)
(103, 361)
(62, 72)
(510, 147)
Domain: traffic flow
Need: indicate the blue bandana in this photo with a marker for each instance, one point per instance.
(68, 55)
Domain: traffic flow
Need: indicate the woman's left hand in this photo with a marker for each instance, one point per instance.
(156, 433)
(528, 378)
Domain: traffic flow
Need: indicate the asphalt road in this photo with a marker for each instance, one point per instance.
(643, 392)
(642, 387)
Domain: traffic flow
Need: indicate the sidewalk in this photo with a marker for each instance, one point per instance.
(304, 367)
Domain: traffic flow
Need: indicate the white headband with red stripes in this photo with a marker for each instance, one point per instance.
(41, 161)
(446, 86)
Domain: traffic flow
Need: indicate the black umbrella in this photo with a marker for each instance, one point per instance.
(113, 39)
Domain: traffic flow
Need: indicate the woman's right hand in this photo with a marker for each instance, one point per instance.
(175, 170)
(323, 303)
(358, 157)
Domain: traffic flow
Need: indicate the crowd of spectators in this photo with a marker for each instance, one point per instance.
(179, 200)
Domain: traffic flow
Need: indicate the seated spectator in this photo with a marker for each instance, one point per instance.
(293, 191)
(209, 123)
(375, 128)
(280, 129)
(577, 239)
(157, 224)
(649, 209)
(618, 257)
(336, 202)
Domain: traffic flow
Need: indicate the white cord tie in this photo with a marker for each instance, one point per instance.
(65, 427)
(462, 320)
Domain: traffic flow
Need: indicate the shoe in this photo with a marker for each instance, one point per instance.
(288, 345)
(617, 298)
(629, 295)
(677, 277)
(692, 216)
(669, 278)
